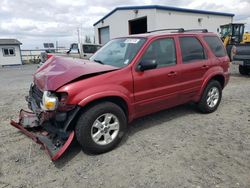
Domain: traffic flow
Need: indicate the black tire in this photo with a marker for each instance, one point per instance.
(84, 127)
(243, 70)
(203, 104)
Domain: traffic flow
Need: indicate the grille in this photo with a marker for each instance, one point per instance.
(36, 94)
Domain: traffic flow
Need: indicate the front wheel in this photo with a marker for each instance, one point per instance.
(101, 127)
(211, 97)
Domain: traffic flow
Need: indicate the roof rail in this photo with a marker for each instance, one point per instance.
(195, 30)
(177, 29)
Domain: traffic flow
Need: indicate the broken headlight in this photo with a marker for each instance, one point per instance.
(49, 101)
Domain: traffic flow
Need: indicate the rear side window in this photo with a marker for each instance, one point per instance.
(216, 46)
(191, 49)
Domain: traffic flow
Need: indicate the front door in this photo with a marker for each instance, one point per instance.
(157, 88)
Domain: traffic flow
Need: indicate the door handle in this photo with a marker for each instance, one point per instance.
(172, 73)
(205, 67)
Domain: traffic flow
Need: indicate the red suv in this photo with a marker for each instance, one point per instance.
(127, 78)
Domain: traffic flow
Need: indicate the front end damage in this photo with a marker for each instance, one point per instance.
(51, 129)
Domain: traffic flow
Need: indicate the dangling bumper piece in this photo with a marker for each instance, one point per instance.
(53, 143)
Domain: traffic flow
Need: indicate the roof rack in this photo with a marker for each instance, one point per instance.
(177, 29)
(180, 30)
(195, 30)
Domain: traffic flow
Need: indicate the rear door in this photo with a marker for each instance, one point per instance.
(158, 88)
(195, 64)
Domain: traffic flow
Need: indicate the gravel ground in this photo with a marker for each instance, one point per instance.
(173, 148)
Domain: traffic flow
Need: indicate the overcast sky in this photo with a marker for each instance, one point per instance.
(36, 21)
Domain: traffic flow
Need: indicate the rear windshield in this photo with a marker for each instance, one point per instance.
(215, 45)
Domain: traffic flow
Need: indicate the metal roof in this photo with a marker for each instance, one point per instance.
(160, 7)
(9, 41)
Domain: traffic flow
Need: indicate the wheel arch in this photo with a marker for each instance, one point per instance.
(118, 100)
(218, 77)
(114, 99)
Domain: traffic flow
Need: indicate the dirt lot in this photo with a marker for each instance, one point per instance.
(174, 148)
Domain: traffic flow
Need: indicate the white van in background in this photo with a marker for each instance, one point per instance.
(83, 51)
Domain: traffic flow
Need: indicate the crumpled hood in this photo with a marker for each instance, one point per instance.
(58, 71)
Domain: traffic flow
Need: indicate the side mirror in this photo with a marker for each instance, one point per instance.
(147, 65)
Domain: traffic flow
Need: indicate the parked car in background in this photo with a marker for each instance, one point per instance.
(237, 43)
(83, 51)
(127, 78)
(241, 57)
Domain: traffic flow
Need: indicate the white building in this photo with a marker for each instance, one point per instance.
(10, 53)
(123, 21)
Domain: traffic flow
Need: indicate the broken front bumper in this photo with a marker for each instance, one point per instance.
(53, 143)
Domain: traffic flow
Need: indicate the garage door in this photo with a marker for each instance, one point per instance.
(104, 35)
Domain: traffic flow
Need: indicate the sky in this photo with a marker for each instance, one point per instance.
(34, 22)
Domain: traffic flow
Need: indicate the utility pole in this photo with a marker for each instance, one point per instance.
(56, 46)
(79, 43)
(78, 34)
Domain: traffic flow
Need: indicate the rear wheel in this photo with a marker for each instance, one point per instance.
(211, 97)
(101, 127)
(243, 70)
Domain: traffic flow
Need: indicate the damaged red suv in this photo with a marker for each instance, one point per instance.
(127, 78)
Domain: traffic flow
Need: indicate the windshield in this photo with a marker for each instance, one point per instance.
(226, 30)
(118, 52)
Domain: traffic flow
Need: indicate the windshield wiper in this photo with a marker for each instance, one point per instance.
(98, 61)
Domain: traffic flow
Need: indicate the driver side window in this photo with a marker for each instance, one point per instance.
(162, 51)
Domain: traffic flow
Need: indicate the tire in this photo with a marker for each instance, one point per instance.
(92, 129)
(243, 70)
(208, 106)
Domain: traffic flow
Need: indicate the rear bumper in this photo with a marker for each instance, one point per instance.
(54, 144)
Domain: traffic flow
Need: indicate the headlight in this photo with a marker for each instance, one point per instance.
(50, 101)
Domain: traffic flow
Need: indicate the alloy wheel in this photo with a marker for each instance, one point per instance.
(105, 129)
(213, 97)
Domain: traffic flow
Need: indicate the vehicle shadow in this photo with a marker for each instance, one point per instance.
(140, 124)
(157, 118)
(73, 150)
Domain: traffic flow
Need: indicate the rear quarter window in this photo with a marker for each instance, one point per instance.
(215, 45)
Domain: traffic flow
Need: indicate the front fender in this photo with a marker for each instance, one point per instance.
(104, 94)
(100, 95)
(92, 94)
